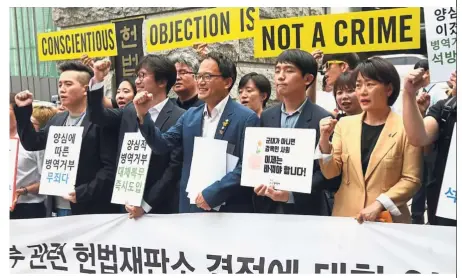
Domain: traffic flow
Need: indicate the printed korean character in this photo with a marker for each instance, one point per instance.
(268, 140)
(227, 265)
(65, 151)
(56, 163)
(153, 260)
(137, 259)
(50, 176)
(452, 13)
(144, 158)
(267, 148)
(48, 163)
(124, 185)
(450, 57)
(276, 267)
(364, 268)
(120, 172)
(107, 255)
(276, 149)
(56, 255)
(130, 145)
(138, 186)
(123, 158)
(451, 194)
(438, 58)
(83, 254)
(39, 253)
(57, 178)
(128, 34)
(435, 44)
(71, 138)
(453, 28)
(136, 144)
(260, 267)
(334, 270)
(141, 172)
(182, 261)
(58, 150)
(128, 64)
(130, 186)
(442, 29)
(134, 172)
(453, 41)
(64, 138)
(56, 138)
(70, 164)
(127, 171)
(446, 42)
(292, 141)
(271, 149)
(143, 145)
(136, 158)
(63, 164)
(65, 178)
(16, 255)
(118, 185)
(130, 158)
(440, 14)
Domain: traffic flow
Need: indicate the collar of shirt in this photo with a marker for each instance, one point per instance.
(188, 103)
(158, 107)
(217, 110)
(299, 109)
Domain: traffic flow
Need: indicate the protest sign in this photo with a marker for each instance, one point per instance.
(61, 160)
(279, 157)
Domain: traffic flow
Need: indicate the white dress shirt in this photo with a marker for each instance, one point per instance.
(211, 120)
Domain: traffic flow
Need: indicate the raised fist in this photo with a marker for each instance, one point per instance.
(24, 98)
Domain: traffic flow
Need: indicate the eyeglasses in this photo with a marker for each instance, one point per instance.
(140, 75)
(183, 72)
(327, 65)
(206, 76)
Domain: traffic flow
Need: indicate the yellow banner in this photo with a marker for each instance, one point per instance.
(340, 33)
(207, 26)
(96, 41)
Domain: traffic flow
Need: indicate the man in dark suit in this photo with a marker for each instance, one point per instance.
(219, 118)
(155, 75)
(96, 167)
(295, 71)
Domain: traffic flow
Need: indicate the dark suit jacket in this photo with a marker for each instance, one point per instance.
(306, 204)
(189, 126)
(97, 162)
(162, 181)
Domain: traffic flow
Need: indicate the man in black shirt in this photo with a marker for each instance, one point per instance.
(436, 127)
(186, 64)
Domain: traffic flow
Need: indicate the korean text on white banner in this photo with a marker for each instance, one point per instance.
(441, 32)
(279, 157)
(61, 160)
(448, 195)
(206, 243)
(132, 170)
(14, 148)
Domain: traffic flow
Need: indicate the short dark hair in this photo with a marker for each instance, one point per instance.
(261, 82)
(352, 59)
(161, 66)
(422, 64)
(132, 84)
(225, 65)
(381, 70)
(76, 66)
(303, 60)
(344, 81)
(12, 96)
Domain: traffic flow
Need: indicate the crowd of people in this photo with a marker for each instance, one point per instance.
(373, 158)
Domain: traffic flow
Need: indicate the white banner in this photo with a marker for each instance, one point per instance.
(227, 243)
(132, 170)
(61, 160)
(441, 33)
(14, 148)
(279, 157)
(448, 195)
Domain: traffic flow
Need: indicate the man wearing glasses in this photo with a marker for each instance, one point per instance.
(219, 118)
(186, 64)
(155, 75)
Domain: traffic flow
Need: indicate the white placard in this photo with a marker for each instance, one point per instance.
(448, 195)
(441, 34)
(132, 170)
(14, 148)
(279, 157)
(61, 160)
